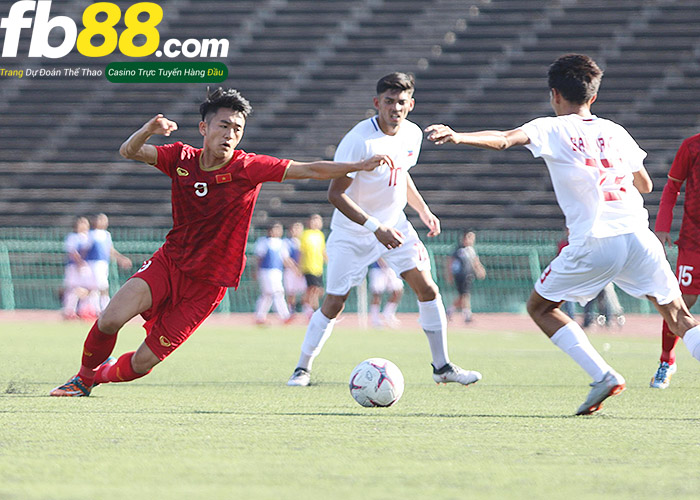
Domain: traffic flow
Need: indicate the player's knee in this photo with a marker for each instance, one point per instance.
(333, 305)
(109, 322)
(535, 307)
(427, 291)
(144, 362)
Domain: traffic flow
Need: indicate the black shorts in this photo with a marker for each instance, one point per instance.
(313, 280)
(464, 284)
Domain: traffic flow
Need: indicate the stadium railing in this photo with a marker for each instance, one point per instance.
(32, 268)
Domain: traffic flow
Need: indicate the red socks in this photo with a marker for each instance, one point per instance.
(668, 345)
(97, 348)
(121, 371)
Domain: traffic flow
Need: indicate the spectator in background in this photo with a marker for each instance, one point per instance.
(78, 278)
(294, 280)
(313, 257)
(272, 259)
(609, 309)
(100, 252)
(383, 279)
(463, 268)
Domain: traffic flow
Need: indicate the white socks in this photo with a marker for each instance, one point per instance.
(319, 329)
(432, 318)
(573, 341)
(691, 339)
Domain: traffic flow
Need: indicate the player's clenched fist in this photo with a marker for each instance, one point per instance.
(377, 161)
(160, 125)
(440, 134)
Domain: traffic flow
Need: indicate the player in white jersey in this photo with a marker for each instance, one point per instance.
(597, 172)
(78, 277)
(100, 253)
(369, 223)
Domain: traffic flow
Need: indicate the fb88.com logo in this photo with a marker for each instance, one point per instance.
(99, 36)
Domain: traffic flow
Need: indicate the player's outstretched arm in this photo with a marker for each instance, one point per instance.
(135, 147)
(324, 170)
(417, 203)
(487, 139)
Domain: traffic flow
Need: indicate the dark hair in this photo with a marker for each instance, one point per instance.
(224, 98)
(576, 77)
(396, 81)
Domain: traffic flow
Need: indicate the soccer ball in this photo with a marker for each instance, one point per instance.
(376, 382)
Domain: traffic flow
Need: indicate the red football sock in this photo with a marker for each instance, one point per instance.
(668, 345)
(97, 348)
(121, 371)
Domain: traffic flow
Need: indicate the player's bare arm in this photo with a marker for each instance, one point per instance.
(668, 199)
(642, 181)
(388, 236)
(324, 170)
(135, 147)
(416, 202)
(486, 139)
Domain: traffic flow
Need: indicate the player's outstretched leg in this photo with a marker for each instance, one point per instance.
(568, 336)
(96, 350)
(433, 320)
(118, 370)
(612, 384)
(319, 329)
(453, 373)
(667, 364)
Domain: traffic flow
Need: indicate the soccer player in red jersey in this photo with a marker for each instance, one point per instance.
(214, 190)
(685, 168)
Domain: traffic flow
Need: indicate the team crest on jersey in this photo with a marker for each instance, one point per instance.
(182, 172)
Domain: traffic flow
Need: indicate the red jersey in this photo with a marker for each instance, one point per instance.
(685, 168)
(212, 210)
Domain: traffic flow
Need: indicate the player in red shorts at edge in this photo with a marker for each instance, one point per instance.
(214, 190)
(685, 168)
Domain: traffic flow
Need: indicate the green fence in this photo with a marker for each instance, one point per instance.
(32, 266)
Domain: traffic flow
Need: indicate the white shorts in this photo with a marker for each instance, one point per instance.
(270, 281)
(294, 284)
(635, 262)
(78, 277)
(100, 273)
(382, 280)
(350, 254)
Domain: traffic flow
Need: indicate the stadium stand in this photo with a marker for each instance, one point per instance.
(309, 69)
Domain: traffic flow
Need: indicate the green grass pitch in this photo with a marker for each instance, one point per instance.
(216, 420)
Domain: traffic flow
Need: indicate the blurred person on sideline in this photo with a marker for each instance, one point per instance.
(273, 257)
(383, 280)
(100, 252)
(463, 268)
(294, 280)
(312, 248)
(77, 279)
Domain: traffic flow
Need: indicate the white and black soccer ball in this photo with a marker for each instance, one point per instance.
(376, 382)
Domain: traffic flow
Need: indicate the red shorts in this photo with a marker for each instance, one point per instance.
(688, 271)
(180, 304)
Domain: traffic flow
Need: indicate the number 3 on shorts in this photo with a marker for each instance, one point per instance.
(685, 277)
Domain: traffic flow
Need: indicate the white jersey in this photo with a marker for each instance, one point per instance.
(591, 162)
(382, 192)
